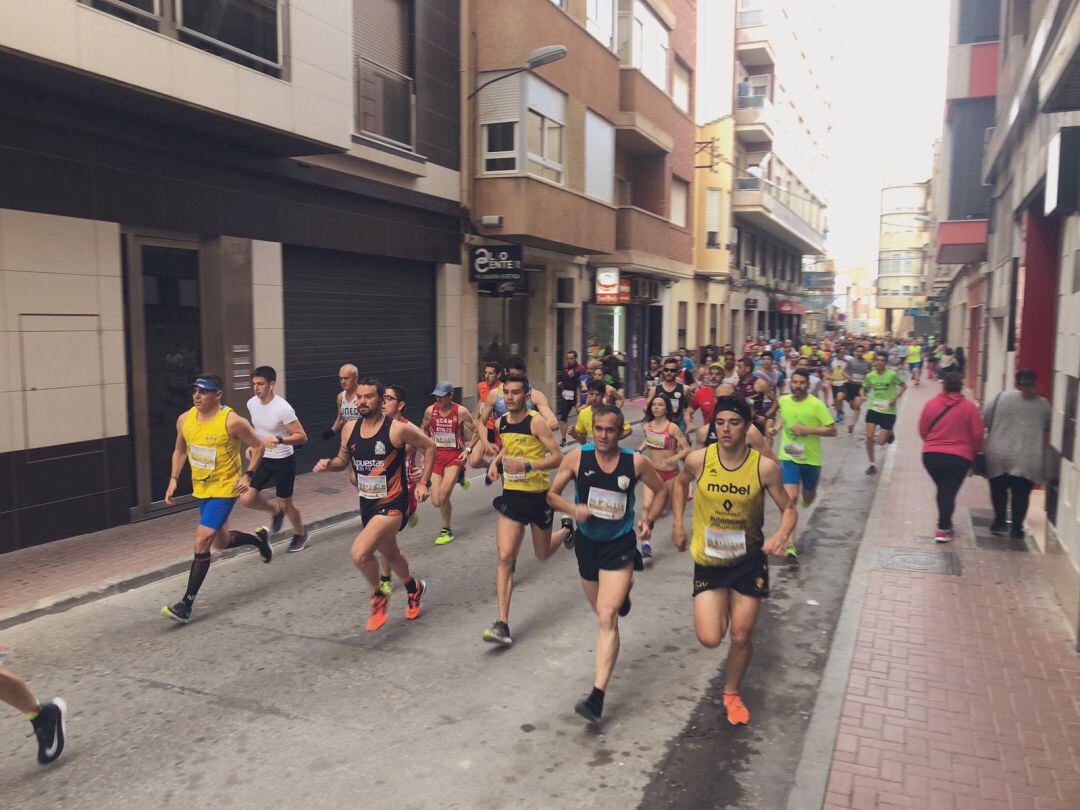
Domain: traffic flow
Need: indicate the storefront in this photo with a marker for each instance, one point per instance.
(502, 286)
(789, 319)
(624, 318)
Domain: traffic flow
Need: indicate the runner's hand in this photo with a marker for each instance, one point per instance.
(464, 454)
(170, 491)
(679, 538)
(580, 513)
(493, 471)
(799, 430)
(240, 486)
(322, 465)
(774, 546)
(644, 528)
(421, 492)
(269, 442)
(249, 452)
(328, 434)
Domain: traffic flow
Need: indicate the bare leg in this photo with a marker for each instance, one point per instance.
(372, 537)
(15, 693)
(711, 616)
(508, 536)
(546, 542)
(293, 514)
(612, 591)
(384, 566)
(253, 500)
(744, 613)
(871, 429)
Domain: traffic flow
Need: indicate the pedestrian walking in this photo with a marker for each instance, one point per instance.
(1017, 423)
(952, 431)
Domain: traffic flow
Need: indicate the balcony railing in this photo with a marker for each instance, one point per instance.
(752, 102)
(752, 17)
(385, 104)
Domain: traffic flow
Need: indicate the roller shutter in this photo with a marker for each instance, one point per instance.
(376, 313)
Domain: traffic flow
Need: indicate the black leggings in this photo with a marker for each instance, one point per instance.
(948, 471)
(1000, 487)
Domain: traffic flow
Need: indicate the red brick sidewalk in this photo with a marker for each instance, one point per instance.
(963, 690)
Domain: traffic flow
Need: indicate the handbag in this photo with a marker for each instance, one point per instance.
(979, 465)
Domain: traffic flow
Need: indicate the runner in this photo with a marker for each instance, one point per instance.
(209, 437)
(914, 361)
(494, 407)
(492, 373)
(706, 434)
(445, 421)
(884, 387)
(48, 719)
(857, 368)
(802, 421)
(582, 431)
(838, 377)
(731, 569)
(605, 477)
(347, 409)
(673, 391)
(665, 446)
(703, 398)
(611, 393)
(528, 451)
(275, 421)
(378, 460)
(394, 408)
(567, 391)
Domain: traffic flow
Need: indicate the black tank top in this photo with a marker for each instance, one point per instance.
(612, 505)
(675, 397)
(379, 466)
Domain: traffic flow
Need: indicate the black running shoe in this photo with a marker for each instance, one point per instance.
(277, 521)
(298, 543)
(266, 551)
(180, 612)
(567, 523)
(583, 708)
(49, 728)
(498, 633)
(624, 610)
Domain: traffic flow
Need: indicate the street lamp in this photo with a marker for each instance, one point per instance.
(537, 59)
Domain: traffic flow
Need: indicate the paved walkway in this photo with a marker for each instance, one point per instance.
(963, 691)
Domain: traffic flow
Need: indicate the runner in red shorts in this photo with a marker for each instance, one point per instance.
(665, 445)
(445, 421)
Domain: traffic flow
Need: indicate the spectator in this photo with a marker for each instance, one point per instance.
(611, 360)
(947, 362)
(961, 361)
(1017, 423)
(952, 431)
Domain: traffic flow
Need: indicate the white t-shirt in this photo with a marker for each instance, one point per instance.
(270, 420)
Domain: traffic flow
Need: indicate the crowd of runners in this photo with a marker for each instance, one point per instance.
(709, 434)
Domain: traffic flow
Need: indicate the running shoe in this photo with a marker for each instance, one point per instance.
(413, 609)
(942, 535)
(791, 553)
(871, 470)
(583, 709)
(379, 602)
(567, 523)
(737, 713)
(386, 586)
(266, 551)
(445, 536)
(463, 482)
(840, 418)
(413, 519)
(180, 612)
(299, 542)
(624, 608)
(277, 521)
(49, 728)
(1017, 535)
(646, 549)
(498, 633)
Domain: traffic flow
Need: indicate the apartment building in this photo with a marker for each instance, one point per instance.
(819, 296)
(903, 256)
(208, 187)
(782, 126)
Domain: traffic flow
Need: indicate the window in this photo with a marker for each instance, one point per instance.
(714, 217)
(1068, 424)
(599, 157)
(681, 337)
(600, 20)
(680, 194)
(680, 87)
(643, 41)
(383, 83)
(545, 145)
(500, 147)
(712, 324)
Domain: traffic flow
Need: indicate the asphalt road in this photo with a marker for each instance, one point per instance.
(275, 696)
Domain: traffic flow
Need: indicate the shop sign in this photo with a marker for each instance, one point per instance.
(750, 303)
(495, 263)
(790, 307)
(608, 286)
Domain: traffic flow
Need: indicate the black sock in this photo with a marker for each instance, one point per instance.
(411, 585)
(199, 568)
(384, 578)
(595, 701)
(237, 539)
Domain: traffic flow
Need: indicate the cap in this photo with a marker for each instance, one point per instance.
(716, 365)
(207, 384)
(444, 389)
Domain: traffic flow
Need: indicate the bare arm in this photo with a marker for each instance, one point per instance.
(179, 459)
(339, 420)
(297, 435)
(618, 398)
(769, 471)
(240, 428)
(541, 403)
(680, 439)
(689, 473)
(409, 434)
(425, 423)
(568, 468)
(547, 438)
(647, 474)
(474, 433)
(341, 460)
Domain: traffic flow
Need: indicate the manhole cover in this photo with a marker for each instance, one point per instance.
(328, 490)
(990, 542)
(919, 561)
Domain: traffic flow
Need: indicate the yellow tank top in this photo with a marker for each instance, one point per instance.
(213, 454)
(520, 443)
(729, 511)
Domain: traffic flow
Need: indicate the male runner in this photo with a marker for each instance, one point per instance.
(445, 421)
(275, 421)
(209, 437)
(528, 451)
(583, 430)
(611, 393)
(376, 447)
(705, 435)
(838, 377)
(394, 408)
(606, 476)
(48, 719)
(915, 361)
(347, 409)
(857, 369)
(494, 407)
(673, 391)
(883, 387)
(567, 391)
(704, 397)
(729, 548)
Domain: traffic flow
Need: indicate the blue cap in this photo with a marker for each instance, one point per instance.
(444, 389)
(207, 384)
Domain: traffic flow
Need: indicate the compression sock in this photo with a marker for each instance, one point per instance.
(237, 539)
(199, 568)
(32, 716)
(411, 585)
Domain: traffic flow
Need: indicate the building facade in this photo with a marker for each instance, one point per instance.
(187, 191)
(903, 255)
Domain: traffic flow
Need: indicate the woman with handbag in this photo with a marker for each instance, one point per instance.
(952, 431)
(1017, 423)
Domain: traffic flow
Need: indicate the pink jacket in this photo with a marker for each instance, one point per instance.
(959, 432)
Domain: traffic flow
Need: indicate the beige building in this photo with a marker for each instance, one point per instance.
(903, 255)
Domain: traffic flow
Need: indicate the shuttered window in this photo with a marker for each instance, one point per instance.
(499, 113)
(714, 216)
(599, 157)
(382, 75)
(680, 193)
(381, 33)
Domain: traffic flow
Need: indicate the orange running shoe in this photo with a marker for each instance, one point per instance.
(413, 609)
(379, 602)
(737, 713)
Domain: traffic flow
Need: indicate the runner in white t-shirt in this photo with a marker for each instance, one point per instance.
(276, 424)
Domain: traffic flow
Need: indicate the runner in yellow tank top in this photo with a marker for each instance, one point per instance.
(208, 437)
(729, 548)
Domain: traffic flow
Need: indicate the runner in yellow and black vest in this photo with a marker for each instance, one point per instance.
(728, 545)
(208, 437)
(528, 451)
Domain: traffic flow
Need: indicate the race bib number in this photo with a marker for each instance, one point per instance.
(371, 487)
(655, 441)
(721, 545)
(880, 404)
(568, 396)
(445, 440)
(512, 476)
(795, 450)
(202, 458)
(606, 505)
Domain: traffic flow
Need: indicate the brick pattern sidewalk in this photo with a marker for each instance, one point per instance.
(963, 691)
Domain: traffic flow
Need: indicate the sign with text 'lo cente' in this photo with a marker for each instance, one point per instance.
(495, 263)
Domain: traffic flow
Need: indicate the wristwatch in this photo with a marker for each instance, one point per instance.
(428, 483)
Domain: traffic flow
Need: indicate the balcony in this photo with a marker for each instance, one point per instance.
(758, 202)
(646, 115)
(385, 104)
(961, 241)
(544, 215)
(754, 119)
(752, 46)
(972, 71)
(647, 243)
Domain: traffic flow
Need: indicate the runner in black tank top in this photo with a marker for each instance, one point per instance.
(380, 473)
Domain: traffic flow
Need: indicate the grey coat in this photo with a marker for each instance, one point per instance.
(1016, 438)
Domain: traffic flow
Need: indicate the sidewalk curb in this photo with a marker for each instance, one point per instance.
(812, 772)
(126, 582)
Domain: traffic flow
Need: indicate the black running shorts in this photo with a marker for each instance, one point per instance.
(886, 421)
(278, 471)
(525, 507)
(564, 409)
(749, 577)
(594, 556)
(852, 391)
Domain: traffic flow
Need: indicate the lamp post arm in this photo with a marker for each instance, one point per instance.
(496, 79)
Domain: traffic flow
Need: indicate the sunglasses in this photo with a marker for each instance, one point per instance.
(671, 371)
(198, 391)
